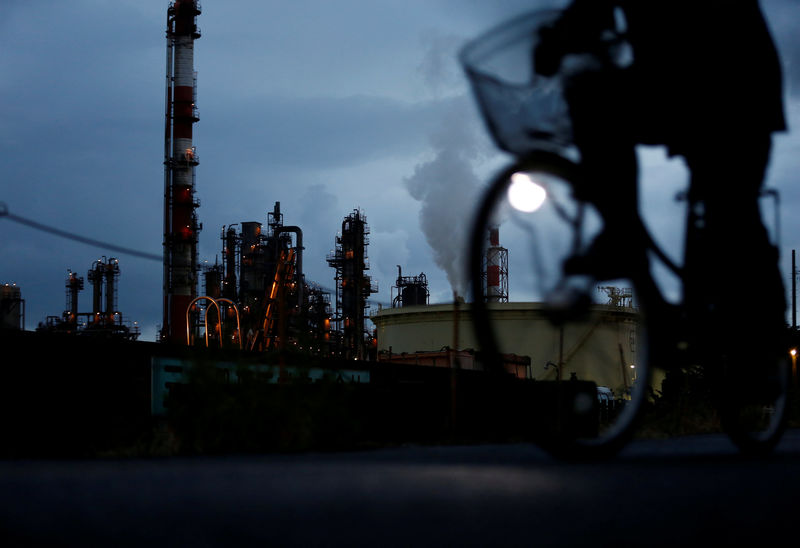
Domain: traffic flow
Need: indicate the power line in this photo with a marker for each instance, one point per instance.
(4, 213)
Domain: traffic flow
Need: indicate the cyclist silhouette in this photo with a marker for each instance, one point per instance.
(705, 80)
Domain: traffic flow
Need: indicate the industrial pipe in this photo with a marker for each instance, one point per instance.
(299, 247)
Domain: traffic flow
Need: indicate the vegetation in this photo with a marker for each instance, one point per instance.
(212, 415)
(683, 406)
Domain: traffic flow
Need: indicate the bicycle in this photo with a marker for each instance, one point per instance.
(606, 347)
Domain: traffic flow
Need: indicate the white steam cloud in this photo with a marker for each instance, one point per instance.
(447, 188)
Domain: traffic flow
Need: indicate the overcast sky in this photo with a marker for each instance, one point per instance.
(325, 106)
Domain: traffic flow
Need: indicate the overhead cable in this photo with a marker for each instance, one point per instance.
(4, 213)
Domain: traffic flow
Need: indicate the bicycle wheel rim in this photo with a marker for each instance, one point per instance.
(755, 421)
(562, 443)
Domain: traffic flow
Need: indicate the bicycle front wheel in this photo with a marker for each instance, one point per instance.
(583, 341)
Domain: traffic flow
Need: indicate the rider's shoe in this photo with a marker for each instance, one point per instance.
(605, 259)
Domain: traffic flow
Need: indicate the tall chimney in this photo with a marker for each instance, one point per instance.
(180, 158)
(496, 268)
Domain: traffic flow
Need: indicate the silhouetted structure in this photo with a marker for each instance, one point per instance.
(411, 290)
(12, 307)
(105, 319)
(496, 269)
(180, 159)
(261, 283)
(353, 285)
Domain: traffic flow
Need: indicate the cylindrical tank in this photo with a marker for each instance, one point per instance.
(414, 295)
(95, 276)
(213, 282)
(11, 307)
(74, 286)
(251, 277)
(591, 349)
(229, 257)
(111, 274)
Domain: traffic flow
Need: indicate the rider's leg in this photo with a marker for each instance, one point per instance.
(735, 278)
(603, 134)
(732, 266)
(602, 108)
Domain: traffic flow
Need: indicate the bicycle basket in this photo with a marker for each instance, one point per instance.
(524, 111)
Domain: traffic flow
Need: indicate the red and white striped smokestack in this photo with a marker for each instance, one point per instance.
(493, 265)
(496, 268)
(180, 220)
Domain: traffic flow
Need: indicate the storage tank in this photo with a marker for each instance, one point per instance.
(601, 348)
(12, 307)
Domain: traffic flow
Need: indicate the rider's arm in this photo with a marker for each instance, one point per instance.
(579, 29)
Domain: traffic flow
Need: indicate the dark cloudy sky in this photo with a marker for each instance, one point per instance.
(325, 106)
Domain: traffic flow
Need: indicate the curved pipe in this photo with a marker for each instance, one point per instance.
(205, 320)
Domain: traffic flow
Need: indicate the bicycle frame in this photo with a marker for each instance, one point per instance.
(528, 114)
(674, 341)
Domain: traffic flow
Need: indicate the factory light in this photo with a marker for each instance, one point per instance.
(524, 194)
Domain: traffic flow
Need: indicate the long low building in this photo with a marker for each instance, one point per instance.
(603, 348)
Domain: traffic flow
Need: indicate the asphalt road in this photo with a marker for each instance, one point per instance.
(656, 493)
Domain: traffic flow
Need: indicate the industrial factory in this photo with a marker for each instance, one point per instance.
(256, 303)
(257, 298)
(105, 318)
(602, 347)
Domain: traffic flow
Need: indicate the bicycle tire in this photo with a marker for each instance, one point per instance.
(563, 445)
(746, 361)
(756, 421)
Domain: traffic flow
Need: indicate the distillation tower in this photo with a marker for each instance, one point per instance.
(105, 319)
(180, 159)
(103, 273)
(262, 275)
(353, 285)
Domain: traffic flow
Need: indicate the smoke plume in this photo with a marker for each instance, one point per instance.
(447, 188)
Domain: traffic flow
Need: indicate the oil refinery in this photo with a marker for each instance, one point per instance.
(253, 314)
(257, 298)
(105, 318)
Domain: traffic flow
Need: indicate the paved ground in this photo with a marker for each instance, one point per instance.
(657, 493)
